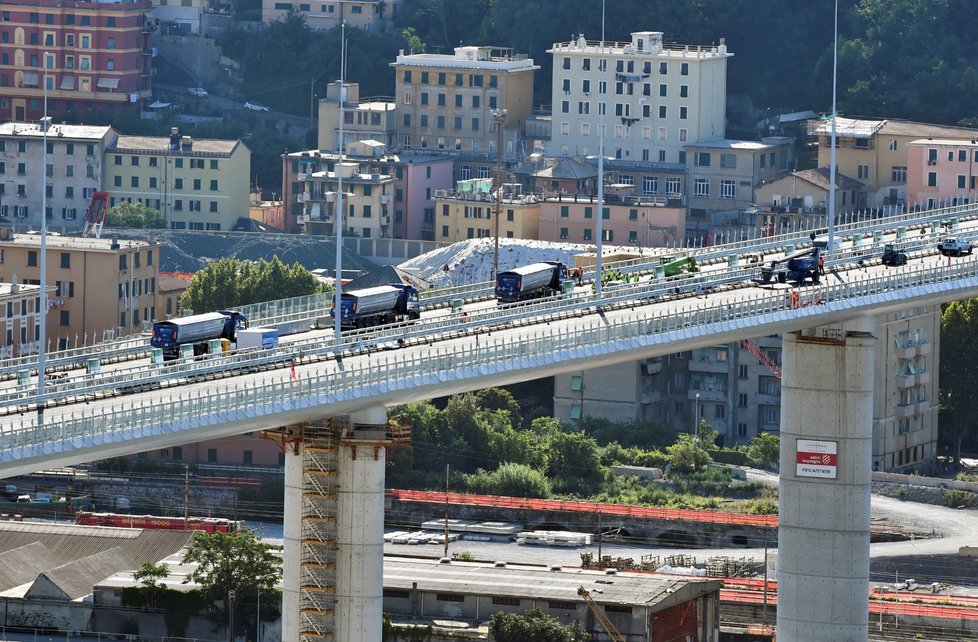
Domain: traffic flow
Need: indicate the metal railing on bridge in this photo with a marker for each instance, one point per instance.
(358, 382)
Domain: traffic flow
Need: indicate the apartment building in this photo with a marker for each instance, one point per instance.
(874, 152)
(410, 199)
(103, 288)
(322, 15)
(469, 211)
(724, 175)
(942, 172)
(451, 103)
(363, 119)
(785, 202)
(366, 196)
(199, 184)
(71, 173)
(727, 386)
(657, 97)
(627, 219)
(88, 58)
(19, 310)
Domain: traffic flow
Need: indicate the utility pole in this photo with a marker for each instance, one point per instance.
(447, 467)
(43, 312)
(499, 117)
(186, 497)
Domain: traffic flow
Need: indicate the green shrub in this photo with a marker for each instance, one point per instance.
(956, 498)
(511, 480)
(730, 456)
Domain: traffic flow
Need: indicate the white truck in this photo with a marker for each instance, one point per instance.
(257, 338)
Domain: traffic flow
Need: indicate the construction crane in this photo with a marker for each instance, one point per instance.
(609, 627)
(762, 356)
(95, 215)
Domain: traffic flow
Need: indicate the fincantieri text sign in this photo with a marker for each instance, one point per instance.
(817, 458)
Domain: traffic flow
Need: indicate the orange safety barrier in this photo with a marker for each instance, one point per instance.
(643, 512)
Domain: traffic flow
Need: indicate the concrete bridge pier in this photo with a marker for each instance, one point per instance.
(360, 527)
(824, 494)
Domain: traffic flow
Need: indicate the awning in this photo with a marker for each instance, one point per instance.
(31, 79)
(67, 82)
(108, 83)
(159, 105)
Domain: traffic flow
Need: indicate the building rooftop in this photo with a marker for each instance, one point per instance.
(655, 591)
(727, 143)
(56, 241)
(954, 142)
(487, 58)
(161, 144)
(820, 177)
(862, 128)
(73, 132)
(644, 44)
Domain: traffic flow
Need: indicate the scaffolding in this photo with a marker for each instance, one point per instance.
(317, 575)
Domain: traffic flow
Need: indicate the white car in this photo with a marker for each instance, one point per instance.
(950, 246)
(200, 92)
(255, 107)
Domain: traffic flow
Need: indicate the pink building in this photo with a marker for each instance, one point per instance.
(941, 172)
(645, 221)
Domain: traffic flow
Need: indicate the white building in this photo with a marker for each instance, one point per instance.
(73, 172)
(658, 97)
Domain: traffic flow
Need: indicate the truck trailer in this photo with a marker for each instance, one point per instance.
(196, 330)
(530, 281)
(379, 305)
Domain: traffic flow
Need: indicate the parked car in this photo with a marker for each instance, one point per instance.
(950, 246)
(200, 92)
(893, 256)
(255, 107)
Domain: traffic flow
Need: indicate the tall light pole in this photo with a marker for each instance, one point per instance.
(499, 117)
(338, 306)
(696, 416)
(42, 329)
(835, 60)
(599, 228)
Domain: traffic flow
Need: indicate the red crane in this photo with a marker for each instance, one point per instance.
(95, 215)
(762, 356)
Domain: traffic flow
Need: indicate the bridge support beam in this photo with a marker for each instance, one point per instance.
(824, 498)
(360, 527)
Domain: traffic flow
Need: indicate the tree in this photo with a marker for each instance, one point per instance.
(238, 562)
(130, 215)
(510, 480)
(534, 626)
(688, 455)
(149, 575)
(765, 449)
(573, 461)
(959, 372)
(227, 283)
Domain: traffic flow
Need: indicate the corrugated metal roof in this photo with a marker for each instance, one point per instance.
(76, 132)
(657, 592)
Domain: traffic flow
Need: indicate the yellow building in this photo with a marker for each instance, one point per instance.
(196, 184)
(375, 16)
(103, 288)
(468, 212)
(450, 102)
(874, 152)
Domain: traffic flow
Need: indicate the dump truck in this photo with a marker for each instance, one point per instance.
(530, 282)
(379, 305)
(196, 330)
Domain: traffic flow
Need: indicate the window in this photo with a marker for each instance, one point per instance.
(663, 67)
(684, 69)
(65, 260)
(931, 179)
(702, 159)
(449, 597)
(650, 185)
(64, 318)
(898, 174)
(728, 189)
(701, 188)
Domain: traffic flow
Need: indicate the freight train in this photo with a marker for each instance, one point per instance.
(205, 524)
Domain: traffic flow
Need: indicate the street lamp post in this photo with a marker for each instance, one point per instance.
(42, 329)
(338, 293)
(499, 117)
(696, 416)
(230, 616)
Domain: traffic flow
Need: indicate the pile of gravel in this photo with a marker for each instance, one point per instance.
(190, 251)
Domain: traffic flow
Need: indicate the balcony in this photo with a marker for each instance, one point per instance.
(708, 365)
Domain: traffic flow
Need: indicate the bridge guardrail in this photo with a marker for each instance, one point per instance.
(23, 438)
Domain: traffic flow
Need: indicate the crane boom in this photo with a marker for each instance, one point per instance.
(762, 356)
(95, 215)
(608, 625)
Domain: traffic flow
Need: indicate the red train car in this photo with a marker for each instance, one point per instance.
(205, 524)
